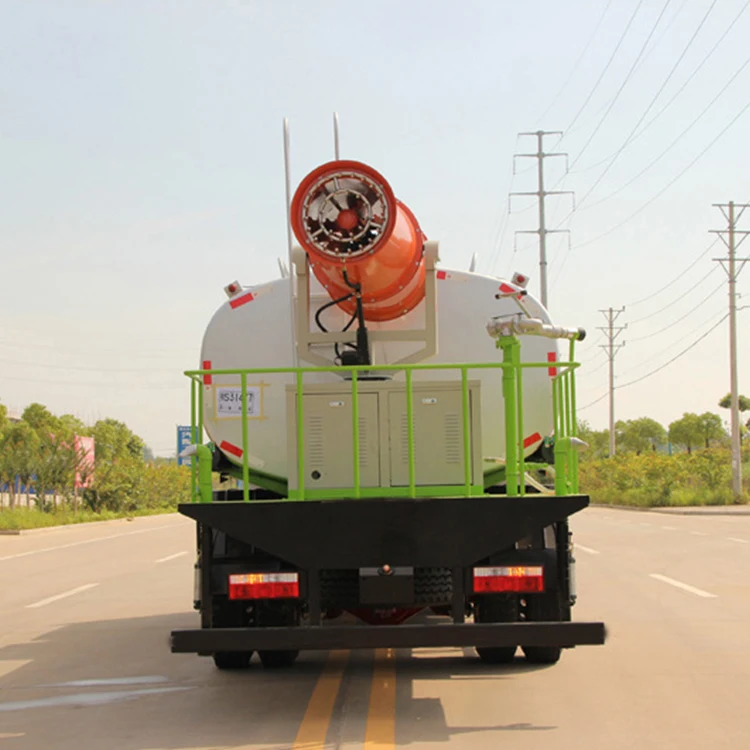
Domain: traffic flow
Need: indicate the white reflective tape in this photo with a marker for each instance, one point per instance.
(256, 578)
(532, 571)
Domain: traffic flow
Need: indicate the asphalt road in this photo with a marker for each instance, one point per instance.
(85, 615)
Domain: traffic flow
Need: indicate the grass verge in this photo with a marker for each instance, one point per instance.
(31, 518)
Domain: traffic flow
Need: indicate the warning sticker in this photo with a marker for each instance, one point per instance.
(229, 401)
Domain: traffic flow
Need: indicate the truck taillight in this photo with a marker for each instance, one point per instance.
(264, 586)
(520, 579)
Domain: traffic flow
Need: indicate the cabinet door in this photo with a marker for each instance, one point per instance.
(438, 438)
(329, 433)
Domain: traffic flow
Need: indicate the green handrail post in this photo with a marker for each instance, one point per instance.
(511, 349)
(245, 441)
(300, 437)
(410, 432)
(563, 451)
(355, 429)
(194, 439)
(574, 416)
(466, 430)
(519, 428)
(205, 486)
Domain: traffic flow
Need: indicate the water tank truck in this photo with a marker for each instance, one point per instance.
(385, 418)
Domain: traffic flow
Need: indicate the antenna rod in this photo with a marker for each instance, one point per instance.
(336, 136)
(288, 186)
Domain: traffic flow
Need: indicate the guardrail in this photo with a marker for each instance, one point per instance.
(563, 404)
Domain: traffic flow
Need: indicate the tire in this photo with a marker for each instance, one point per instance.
(284, 615)
(277, 659)
(497, 608)
(433, 586)
(232, 659)
(224, 615)
(543, 608)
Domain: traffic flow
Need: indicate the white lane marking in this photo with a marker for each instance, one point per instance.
(683, 586)
(698, 533)
(170, 557)
(669, 528)
(87, 699)
(586, 549)
(112, 681)
(737, 539)
(86, 541)
(64, 595)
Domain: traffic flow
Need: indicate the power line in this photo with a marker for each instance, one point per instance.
(665, 151)
(596, 401)
(676, 357)
(686, 315)
(676, 278)
(604, 72)
(673, 345)
(674, 301)
(623, 84)
(630, 137)
(668, 185)
(687, 81)
(577, 63)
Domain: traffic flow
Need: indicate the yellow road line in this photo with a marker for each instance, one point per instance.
(380, 731)
(314, 728)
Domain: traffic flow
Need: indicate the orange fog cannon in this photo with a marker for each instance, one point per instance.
(358, 236)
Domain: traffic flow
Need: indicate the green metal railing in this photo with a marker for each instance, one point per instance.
(563, 403)
(566, 427)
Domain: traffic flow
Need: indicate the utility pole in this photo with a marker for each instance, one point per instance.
(541, 194)
(611, 331)
(730, 265)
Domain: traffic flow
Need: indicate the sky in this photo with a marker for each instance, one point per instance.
(142, 170)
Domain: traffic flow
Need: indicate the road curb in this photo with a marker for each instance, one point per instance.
(688, 510)
(83, 524)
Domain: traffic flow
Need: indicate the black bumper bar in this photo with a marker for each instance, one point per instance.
(565, 634)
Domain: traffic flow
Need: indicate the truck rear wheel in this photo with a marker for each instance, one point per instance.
(277, 659)
(496, 608)
(232, 659)
(543, 608)
(279, 614)
(224, 615)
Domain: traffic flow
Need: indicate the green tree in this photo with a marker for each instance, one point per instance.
(711, 428)
(38, 417)
(686, 431)
(597, 441)
(20, 447)
(72, 425)
(744, 402)
(118, 476)
(115, 440)
(640, 435)
(744, 405)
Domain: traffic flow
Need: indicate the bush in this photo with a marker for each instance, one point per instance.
(655, 479)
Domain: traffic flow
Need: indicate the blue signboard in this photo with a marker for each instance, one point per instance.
(184, 438)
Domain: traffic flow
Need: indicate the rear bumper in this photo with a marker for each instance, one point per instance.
(564, 634)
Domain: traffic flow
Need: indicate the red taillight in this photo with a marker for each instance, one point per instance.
(264, 586)
(520, 579)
